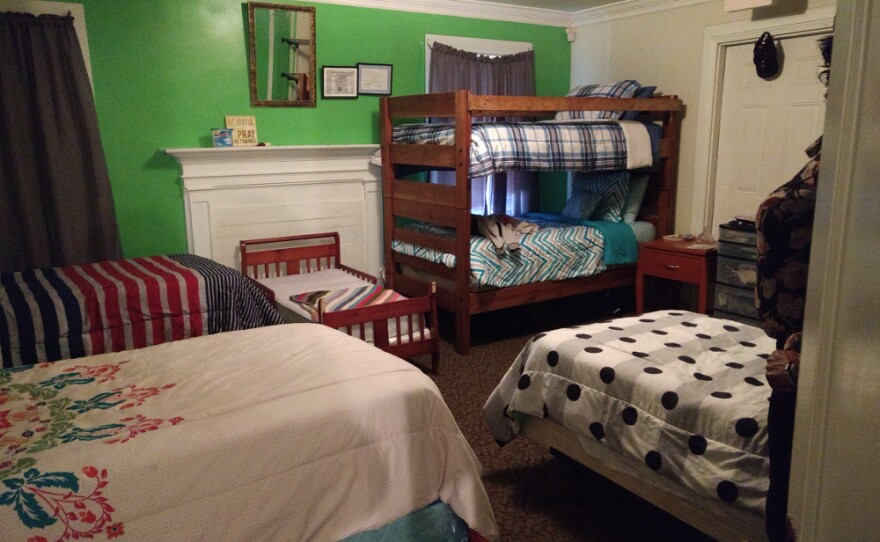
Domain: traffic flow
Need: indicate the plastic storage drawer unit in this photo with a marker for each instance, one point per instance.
(736, 274)
(736, 300)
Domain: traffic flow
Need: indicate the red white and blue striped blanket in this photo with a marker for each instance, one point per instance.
(344, 299)
(79, 310)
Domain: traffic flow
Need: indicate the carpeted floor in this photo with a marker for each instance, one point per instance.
(535, 496)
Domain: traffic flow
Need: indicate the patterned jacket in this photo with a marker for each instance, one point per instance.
(785, 226)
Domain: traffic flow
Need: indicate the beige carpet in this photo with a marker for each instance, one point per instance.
(534, 495)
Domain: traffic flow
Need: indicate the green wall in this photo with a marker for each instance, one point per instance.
(165, 72)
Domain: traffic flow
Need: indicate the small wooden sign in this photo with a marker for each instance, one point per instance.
(244, 130)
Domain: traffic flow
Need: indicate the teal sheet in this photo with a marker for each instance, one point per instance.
(621, 245)
(434, 523)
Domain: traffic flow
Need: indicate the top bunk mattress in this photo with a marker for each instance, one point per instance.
(582, 145)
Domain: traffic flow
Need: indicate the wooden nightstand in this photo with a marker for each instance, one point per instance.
(675, 260)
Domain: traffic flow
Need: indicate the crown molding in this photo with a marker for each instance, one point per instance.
(474, 9)
(478, 9)
(628, 8)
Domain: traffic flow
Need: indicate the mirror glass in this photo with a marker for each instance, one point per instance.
(281, 40)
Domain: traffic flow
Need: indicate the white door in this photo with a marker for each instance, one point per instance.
(765, 125)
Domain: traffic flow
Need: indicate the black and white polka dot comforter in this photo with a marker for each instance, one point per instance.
(684, 393)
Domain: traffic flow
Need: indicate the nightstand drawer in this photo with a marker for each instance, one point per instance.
(736, 272)
(739, 301)
(673, 266)
(678, 262)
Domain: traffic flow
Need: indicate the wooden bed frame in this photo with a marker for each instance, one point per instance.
(722, 523)
(415, 318)
(449, 206)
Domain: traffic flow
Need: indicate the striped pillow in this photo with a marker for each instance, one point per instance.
(608, 189)
(621, 89)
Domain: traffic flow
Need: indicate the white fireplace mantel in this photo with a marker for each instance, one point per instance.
(237, 193)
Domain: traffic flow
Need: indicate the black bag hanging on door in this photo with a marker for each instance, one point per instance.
(766, 57)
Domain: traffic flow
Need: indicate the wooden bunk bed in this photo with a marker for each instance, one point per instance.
(449, 206)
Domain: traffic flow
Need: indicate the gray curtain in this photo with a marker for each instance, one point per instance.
(512, 192)
(56, 206)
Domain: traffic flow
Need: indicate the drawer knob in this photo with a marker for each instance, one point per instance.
(671, 267)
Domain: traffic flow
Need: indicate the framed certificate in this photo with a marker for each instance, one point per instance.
(339, 82)
(374, 79)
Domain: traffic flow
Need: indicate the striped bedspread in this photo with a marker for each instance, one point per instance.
(79, 310)
(557, 251)
(542, 146)
(345, 299)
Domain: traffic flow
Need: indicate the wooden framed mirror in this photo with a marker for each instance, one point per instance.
(281, 43)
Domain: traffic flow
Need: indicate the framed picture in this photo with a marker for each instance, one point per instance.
(374, 79)
(339, 82)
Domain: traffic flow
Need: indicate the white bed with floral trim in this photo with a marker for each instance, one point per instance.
(291, 432)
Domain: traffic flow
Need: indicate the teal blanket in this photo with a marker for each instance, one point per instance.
(621, 245)
(434, 523)
(620, 241)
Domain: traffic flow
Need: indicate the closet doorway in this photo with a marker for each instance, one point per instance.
(765, 124)
(750, 139)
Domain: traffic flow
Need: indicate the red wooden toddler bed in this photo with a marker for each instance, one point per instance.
(411, 199)
(304, 276)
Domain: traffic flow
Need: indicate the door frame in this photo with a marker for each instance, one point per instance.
(716, 40)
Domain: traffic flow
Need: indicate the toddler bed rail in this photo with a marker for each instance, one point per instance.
(405, 327)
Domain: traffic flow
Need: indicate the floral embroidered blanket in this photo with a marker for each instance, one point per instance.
(217, 437)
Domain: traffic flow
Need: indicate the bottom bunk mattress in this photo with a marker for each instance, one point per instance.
(557, 249)
(79, 310)
(290, 432)
(681, 392)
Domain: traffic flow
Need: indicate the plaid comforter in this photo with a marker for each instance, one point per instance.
(542, 146)
(79, 310)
